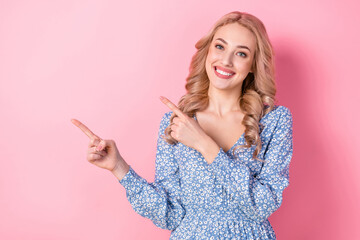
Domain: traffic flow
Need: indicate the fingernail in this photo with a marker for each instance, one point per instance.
(161, 98)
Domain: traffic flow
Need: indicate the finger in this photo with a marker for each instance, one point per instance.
(94, 151)
(94, 142)
(101, 145)
(94, 156)
(173, 107)
(174, 135)
(102, 153)
(173, 127)
(85, 129)
(176, 120)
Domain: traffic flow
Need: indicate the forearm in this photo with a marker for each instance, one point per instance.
(208, 148)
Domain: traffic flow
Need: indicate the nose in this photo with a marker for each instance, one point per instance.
(227, 59)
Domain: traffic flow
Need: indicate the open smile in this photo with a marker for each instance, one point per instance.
(223, 73)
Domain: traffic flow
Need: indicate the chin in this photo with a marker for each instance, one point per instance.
(220, 85)
(223, 84)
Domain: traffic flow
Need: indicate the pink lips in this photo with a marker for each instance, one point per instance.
(224, 70)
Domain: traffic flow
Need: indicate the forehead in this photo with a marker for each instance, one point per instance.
(236, 34)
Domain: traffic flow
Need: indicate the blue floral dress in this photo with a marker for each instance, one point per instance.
(231, 198)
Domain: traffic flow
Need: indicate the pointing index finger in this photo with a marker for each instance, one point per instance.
(173, 107)
(85, 129)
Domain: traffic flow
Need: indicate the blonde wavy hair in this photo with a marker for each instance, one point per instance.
(258, 89)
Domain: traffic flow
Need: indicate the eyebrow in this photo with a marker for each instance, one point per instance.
(238, 46)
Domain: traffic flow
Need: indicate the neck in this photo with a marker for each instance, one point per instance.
(222, 102)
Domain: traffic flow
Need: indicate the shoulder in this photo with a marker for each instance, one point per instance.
(278, 112)
(166, 117)
(279, 116)
(165, 121)
(282, 113)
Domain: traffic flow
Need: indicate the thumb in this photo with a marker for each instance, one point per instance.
(101, 145)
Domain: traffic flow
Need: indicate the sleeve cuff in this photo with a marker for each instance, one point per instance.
(132, 182)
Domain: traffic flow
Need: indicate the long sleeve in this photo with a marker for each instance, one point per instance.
(158, 201)
(259, 196)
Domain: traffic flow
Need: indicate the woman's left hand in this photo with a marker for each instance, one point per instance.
(185, 129)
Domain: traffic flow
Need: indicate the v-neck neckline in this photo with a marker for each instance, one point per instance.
(236, 143)
(233, 146)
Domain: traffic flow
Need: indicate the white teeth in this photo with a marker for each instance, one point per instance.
(224, 73)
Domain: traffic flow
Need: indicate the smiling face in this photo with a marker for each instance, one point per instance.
(230, 57)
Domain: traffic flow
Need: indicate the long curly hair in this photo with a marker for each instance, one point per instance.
(257, 96)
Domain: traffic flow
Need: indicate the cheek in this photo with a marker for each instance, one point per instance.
(243, 65)
(212, 56)
(208, 65)
(209, 60)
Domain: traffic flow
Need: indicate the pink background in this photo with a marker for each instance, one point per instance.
(107, 62)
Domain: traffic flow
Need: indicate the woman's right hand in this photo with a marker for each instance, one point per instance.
(103, 153)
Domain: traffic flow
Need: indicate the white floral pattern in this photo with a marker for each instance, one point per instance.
(231, 198)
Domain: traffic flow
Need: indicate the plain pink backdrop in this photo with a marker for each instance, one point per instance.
(107, 62)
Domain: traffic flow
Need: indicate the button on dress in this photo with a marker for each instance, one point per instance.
(231, 198)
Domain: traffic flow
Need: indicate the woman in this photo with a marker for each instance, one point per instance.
(223, 154)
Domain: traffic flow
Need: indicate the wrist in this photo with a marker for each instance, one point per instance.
(209, 149)
(120, 170)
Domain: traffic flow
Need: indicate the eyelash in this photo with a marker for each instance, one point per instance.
(222, 47)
